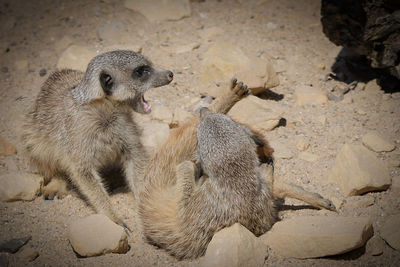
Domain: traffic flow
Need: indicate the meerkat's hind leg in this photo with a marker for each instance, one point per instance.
(90, 185)
(281, 190)
(185, 180)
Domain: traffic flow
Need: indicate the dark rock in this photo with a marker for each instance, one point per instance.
(370, 28)
(13, 245)
(4, 69)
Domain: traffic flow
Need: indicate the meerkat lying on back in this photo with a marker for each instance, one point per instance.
(82, 122)
(182, 215)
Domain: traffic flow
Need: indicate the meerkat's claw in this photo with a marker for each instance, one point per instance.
(233, 83)
(240, 88)
(128, 230)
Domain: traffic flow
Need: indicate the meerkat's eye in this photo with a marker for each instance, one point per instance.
(142, 71)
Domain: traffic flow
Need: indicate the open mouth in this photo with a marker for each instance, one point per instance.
(146, 106)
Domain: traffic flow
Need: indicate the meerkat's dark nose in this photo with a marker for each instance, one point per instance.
(170, 75)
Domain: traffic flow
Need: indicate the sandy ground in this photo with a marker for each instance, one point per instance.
(288, 31)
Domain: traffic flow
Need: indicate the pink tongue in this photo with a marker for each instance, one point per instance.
(146, 106)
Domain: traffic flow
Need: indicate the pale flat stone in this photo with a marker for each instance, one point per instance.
(97, 235)
(318, 236)
(258, 76)
(375, 246)
(391, 231)
(113, 31)
(373, 87)
(186, 48)
(307, 156)
(337, 201)
(377, 143)
(281, 151)
(302, 144)
(261, 115)
(357, 202)
(307, 95)
(234, 246)
(154, 135)
(165, 10)
(357, 170)
(28, 254)
(209, 33)
(6, 148)
(223, 61)
(20, 186)
(75, 57)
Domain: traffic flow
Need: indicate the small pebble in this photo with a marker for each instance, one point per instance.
(42, 72)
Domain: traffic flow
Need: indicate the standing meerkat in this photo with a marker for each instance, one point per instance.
(182, 215)
(83, 122)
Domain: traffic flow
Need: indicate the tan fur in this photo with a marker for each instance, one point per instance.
(181, 215)
(84, 122)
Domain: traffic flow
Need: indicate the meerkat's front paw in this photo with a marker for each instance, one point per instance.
(56, 187)
(239, 88)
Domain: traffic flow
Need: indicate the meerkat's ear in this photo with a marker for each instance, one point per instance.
(204, 112)
(107, 82)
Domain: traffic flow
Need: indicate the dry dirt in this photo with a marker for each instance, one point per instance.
(289, 31)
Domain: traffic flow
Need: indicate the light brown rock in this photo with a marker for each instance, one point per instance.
(302, 144)
(75, 57)
(261, 115)
(318, 236)
(154, 135)
(307, 156)
(180, 116)
(307, 95)
(186, 48)
(356, 202)
(234, 246)
(337, 201)
(377, 143)
(357, 170)
(28, 254)
(162, 113)
(224, 61)
(97, 235)
(6, 148)
(114, 32)
(391, 231)
(155, 10)
(258, 76)
(373, 87)
(209, 33)
(375, 246)
(281, 151)
(20, 186)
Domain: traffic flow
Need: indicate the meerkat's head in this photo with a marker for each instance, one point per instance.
(124, 76)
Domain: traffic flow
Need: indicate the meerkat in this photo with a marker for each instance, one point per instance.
(181, 215)
(83, 122)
